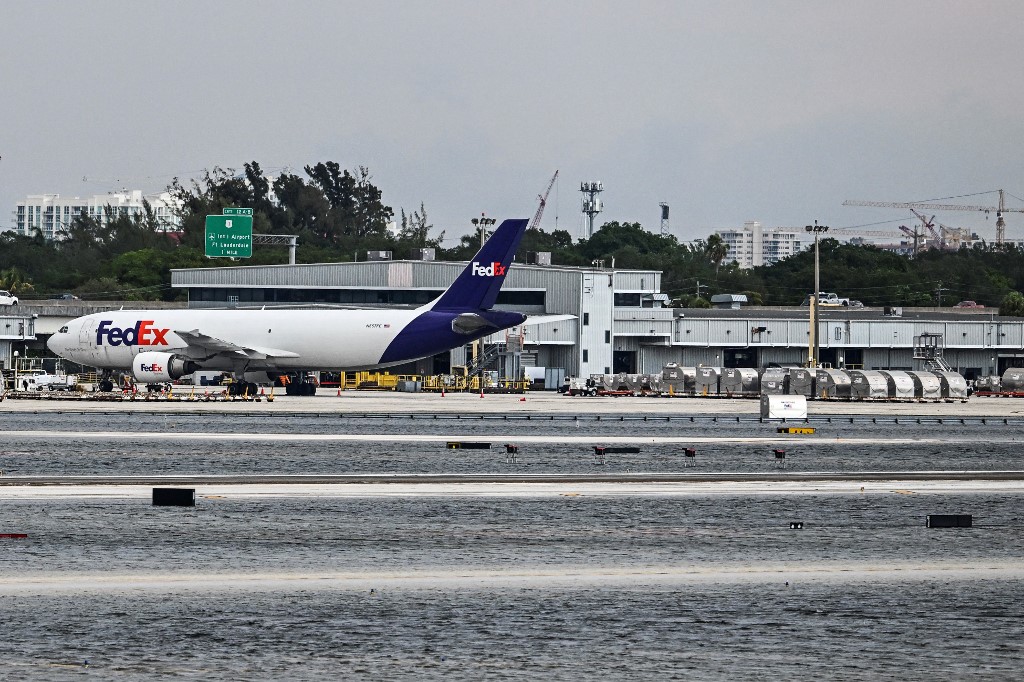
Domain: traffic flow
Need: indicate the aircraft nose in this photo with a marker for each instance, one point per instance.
(56, 343)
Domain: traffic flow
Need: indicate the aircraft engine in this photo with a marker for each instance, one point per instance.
(156, 368)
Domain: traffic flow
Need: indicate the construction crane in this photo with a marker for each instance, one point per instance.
(535, 223)
(854, 232)
(937, 241)
(1000, 209)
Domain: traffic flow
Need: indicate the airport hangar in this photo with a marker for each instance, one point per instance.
(621, 320)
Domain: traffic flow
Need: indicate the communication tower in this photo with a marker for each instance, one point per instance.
(664, 218)
(591, 203)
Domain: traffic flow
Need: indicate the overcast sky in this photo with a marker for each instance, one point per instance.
(727, 111)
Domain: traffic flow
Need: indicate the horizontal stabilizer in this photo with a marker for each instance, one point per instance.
(544, 319)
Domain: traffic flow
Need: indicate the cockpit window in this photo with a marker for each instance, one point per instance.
(63, 330)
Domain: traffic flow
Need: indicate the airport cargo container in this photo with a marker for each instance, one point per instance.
(926, 385)
(989, 383)
(740, 381)
(678, 380)
(901, 386)
(801, 382)
(833, 384)
(868, 385)
(707, 381)
(773, 381)
(952, 385)
(1012, 381)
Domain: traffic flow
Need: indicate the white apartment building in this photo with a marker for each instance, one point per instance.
(753, 245)
(51, 215)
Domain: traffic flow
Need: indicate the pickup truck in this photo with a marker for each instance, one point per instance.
(38, 380)
(828, 300)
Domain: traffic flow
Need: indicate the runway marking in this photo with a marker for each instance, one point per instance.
(212, 493)
(783, 575)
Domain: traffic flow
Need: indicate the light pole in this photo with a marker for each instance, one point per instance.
(481, 223)
(16, 370)
(813, 346)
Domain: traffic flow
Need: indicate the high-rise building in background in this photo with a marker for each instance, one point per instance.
(753, 245)
(52, 215)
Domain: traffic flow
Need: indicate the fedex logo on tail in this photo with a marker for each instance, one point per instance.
(493, 270)
(142, 334)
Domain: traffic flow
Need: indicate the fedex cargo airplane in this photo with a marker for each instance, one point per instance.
(162, 345)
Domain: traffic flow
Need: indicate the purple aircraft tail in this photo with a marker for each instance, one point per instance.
(477, 287)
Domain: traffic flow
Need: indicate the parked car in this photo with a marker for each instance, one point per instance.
(7, 298)
(968, 304)
(64, 297)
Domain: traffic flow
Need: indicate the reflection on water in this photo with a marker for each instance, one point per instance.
(628, 587)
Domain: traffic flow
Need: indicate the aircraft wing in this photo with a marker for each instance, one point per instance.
(199, 343)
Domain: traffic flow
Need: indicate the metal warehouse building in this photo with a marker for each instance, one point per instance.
(621, 323)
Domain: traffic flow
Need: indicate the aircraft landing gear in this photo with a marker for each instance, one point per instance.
(242, 388)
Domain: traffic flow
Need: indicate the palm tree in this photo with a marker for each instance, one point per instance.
(14, 281)
(716, 251)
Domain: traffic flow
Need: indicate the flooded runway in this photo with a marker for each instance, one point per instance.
(416, 561)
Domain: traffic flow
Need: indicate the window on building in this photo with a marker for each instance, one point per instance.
(627, 300)
(586, 355)
(607, 336)
(586, 319)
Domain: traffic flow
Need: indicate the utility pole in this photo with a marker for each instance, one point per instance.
(938, 293)
(699, 287)
(813, 347)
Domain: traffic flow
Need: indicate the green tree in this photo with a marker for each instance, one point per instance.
(1012, 305)
(716, 250)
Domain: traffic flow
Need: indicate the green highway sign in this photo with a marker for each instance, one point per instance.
(229, 236)
(237, 211)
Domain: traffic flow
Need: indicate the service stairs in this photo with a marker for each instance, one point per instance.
(486, 357)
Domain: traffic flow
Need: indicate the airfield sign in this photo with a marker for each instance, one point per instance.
(229, 235)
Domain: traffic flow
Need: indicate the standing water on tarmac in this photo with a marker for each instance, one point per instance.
(438, 583)
(459, 587)
(148, 444)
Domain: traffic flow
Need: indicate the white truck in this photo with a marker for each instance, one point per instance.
(39, 380)
(828, 300)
